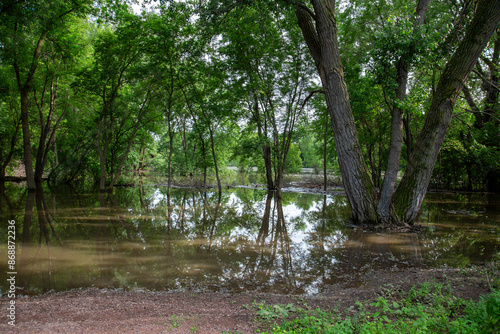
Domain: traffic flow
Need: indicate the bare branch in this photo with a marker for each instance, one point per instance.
(311, 94)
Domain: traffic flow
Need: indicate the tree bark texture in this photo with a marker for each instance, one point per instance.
(397, 128)
(321, 39)
(411, 191)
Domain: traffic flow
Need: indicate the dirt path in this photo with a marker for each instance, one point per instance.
(115, 311)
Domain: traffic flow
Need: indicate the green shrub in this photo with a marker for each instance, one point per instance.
(480, 317)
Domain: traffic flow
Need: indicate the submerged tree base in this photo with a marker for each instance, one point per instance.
(400, 227)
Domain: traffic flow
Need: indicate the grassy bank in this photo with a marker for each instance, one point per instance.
(425, 308)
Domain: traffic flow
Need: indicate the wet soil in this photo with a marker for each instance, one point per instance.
(117, 311)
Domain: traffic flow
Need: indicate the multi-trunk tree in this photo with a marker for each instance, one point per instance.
(319, 29)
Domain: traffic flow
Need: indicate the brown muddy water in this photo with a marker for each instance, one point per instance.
(244, 240)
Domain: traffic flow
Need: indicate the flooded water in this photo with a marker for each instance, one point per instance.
(243, 240)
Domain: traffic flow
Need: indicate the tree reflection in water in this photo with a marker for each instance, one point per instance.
(238, 240)
(271, 261)
(47, 234)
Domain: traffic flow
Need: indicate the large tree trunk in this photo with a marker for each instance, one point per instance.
(396, 142)
(411, 191)
(321, 39)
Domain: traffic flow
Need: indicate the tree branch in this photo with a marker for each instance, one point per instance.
(302, 6)
(309, 32)
(311, 94)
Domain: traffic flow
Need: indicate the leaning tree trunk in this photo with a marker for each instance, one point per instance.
(397, 114)
(411, 191)
(321, 39)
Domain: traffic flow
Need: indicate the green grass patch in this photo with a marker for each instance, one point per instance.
(426, 308)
